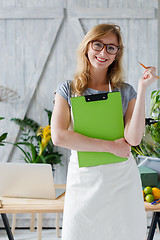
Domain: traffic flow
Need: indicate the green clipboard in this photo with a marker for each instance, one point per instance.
(98, 116)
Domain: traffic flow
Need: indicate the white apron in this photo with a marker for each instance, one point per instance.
(103, 202)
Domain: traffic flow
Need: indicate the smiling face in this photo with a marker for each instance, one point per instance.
(102, 59)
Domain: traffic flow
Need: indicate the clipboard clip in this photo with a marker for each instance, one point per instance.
(96, 97)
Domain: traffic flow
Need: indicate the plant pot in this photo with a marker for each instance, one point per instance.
(53, 170)
(150, 162)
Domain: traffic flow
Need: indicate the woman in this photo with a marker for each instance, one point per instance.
(102, 202)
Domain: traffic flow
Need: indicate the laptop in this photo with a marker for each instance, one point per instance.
(28, 180)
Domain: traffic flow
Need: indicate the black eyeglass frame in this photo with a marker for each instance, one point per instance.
(105, 45)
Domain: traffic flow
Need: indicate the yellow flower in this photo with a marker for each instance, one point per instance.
(155, 125)
(45, 133)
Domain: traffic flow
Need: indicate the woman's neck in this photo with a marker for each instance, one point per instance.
(98, 79)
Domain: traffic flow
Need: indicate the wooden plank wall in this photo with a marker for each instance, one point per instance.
(38, 41)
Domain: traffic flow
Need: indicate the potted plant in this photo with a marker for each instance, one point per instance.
(37, 141)
(150, 144)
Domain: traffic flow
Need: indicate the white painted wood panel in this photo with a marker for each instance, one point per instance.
(112, 13)
(31, 13)
(48, 40)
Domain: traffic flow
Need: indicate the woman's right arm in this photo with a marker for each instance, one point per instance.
(65, 138)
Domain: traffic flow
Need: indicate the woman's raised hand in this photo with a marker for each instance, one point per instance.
(148, 77)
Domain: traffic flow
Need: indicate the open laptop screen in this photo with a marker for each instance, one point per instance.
(26, 180)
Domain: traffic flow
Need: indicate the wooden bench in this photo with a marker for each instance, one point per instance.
(24, 205)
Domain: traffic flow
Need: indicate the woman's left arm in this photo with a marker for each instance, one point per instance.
(135, 115)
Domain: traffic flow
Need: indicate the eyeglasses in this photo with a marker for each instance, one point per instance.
(110, 48)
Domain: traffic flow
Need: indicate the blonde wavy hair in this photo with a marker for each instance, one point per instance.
(115, 71)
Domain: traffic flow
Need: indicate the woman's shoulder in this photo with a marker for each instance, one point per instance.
(126, 85)
(127, 90)
(64, 86)
(127, 94)
(64, 90)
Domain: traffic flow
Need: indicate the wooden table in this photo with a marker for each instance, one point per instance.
(24, 205)
(155, 219)
(19, 205)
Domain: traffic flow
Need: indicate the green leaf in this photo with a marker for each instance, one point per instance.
(27, 158)
(31, 147)
(38, 159)
(29, 155)
(42, 159)
(26, 122)
(153, 93)
(3, 136)
(33, 151)
(137, 150)
(155, 103)
(49, 115)
(53, 159)
(1, 118)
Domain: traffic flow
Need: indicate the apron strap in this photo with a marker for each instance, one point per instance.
(110, 88)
